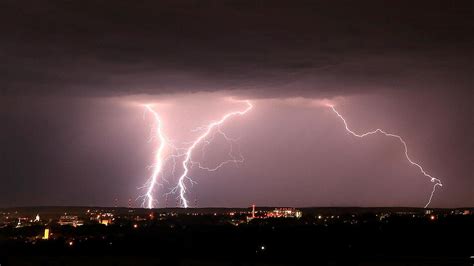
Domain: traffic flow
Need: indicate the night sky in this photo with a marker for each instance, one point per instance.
(74, 73)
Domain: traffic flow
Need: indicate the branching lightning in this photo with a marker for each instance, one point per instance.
(209, 133)
(207, 130)
(159, 160)
(436, 181)
(166, 152)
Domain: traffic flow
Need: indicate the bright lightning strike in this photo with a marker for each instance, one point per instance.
(436, 181)
(207, 130)
(158, 161)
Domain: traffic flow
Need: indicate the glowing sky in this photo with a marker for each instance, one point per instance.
(75, 78)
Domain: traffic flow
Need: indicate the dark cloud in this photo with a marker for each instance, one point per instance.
(263, 48)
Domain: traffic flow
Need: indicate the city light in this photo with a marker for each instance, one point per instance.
(46, 234)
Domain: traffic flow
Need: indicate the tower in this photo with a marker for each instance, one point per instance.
(46, 234)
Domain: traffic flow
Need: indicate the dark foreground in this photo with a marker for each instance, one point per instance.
(361, 238)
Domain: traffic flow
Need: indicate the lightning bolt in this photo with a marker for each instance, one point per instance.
(436, 181)
(159, 160)
(207, 130)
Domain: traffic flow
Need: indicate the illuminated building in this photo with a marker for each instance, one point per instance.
(46, 234)
(276, 213)
(70, 220)
(106, 218)
(23, 221)
(285, 213)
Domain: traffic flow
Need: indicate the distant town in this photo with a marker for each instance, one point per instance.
(78, 216)
(35, 225)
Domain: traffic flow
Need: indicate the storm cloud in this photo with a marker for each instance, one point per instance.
(258, 48)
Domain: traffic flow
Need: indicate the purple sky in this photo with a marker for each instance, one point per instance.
(74, 133)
